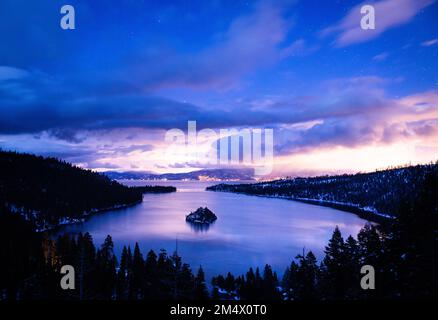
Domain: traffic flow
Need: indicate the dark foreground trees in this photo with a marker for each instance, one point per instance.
(30, 268)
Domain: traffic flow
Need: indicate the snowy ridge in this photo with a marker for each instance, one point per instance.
(376, 194)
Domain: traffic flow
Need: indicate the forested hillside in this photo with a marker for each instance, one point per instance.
(379, 192)
(48, 192)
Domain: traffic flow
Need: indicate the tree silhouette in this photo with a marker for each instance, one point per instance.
(200, 290)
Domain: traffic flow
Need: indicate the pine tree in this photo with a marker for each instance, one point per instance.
(106, 270)
(269, 285)
(123, 275)
(219, 281)
(85, 261)
(289, 280)
(246, 291)
(200, 290)
(229, 284)
(258, 285)
(333, 267)
(151, 274)
(352, 268)
(370, 246)
(305, 275)
(136, 280)
(166, 276)
(185, 283)
(372, 252)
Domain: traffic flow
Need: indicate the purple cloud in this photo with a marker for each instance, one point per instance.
(389, 14)
(362, 114)
(430, 43)
(251, 42)
(381, 56)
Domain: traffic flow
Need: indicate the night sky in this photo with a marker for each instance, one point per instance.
(339, 98)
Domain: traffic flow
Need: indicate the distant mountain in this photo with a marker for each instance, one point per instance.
(374, 195)
(206, 174)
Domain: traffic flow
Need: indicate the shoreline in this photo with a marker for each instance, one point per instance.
(350, 208)
(86, 216)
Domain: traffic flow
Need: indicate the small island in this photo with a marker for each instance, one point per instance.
(201, 216)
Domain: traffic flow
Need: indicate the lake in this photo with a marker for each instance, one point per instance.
(250, 231)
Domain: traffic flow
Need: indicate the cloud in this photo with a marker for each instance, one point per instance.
(346, 112)
(430, 43)
(381, 56)
(73, 97)
(251, 42)
(373, 119)
(72, 119)
(31, 105)
(37, 104)
(131, 148)
(11, 73)
(67, 134)
(389, 14)
(428, 128)
(101, 165)
(87, 97)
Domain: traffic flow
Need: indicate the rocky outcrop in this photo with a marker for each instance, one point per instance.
(201, 216)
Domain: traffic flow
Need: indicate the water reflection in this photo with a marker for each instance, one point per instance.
(200, 227)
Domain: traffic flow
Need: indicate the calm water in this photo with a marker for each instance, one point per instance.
(250, 231)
